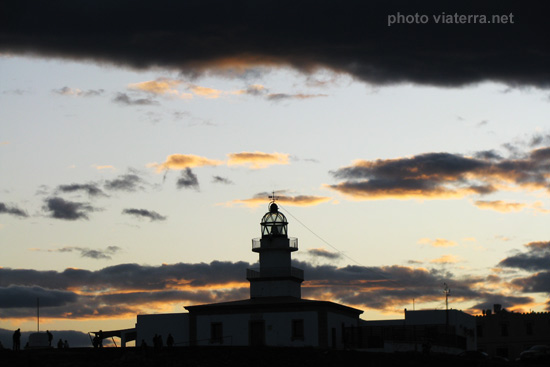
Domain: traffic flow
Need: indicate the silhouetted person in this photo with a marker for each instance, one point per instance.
(66, 344)
(157, 343)
(50, 337)
(17, 339)
(95, 341)
(170, 340)
(60, 344)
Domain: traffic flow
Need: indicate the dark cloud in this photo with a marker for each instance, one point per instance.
(348, 36)
(68, 210)
(539, 139)
(125, 99)
(12, 210)
(488, 155)
(222, 180)
(121, 290)
(91, 189)
(15, 296)
(129, 182)
(126, 289)
(536, 258)
(188, 180)
(144, 213)
(320, 252)
(90, 253)
(440, 175)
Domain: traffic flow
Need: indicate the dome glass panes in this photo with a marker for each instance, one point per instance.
(274, 224)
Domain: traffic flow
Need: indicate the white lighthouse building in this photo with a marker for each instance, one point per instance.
(275, 277)
(275, 314)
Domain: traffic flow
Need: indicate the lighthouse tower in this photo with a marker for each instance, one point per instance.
(275, 277)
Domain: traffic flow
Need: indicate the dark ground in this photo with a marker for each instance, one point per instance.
(227, 356)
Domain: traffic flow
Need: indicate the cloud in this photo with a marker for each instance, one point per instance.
(282, 96)
(253, 90)
(188, 180)
(118, 291)
(160, 86)
(445, 259)
(443, 175)
(222, 180)
(184, 161)
(257, 160)
(144, 213)
(102, 167)
(298, 200)
(12, 210)
(359, 40)
(499, 205)
(15, 296)
(126, 289)
(438, 242)
(91, 189)
(67, 210)
(205, 91)
(258, 90)
(125, 99)
(323, 253)
(536, 258)
(129, 182)
(66, 91)
(98, 254)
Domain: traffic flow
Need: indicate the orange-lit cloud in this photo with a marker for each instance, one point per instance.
(446, 259)
(499, 205)
(537, 207)
(438, 242)
(257, 160)
(101, 167)
(183, 161)
(160, 86)
(444, 176)
(298, 200)
(205, 91)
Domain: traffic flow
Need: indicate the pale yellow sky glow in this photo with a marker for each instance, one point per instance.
(118, 233)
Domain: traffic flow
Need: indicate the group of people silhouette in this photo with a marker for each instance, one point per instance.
(17, 341)
(157, 342)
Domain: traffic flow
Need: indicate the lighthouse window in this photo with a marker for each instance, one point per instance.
(298, 329)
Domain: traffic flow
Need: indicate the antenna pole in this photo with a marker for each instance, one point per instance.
(447, 291)
(38, 314)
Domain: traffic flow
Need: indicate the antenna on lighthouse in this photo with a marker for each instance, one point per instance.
(272, 207)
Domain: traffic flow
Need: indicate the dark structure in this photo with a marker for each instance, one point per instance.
(507, 334)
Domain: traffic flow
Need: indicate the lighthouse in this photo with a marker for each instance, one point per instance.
(275, 276)
(274, 315)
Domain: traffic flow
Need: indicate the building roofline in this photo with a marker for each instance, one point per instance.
(277, 304)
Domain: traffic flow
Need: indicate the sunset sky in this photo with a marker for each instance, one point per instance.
(139, 144)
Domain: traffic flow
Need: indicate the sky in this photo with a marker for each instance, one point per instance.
(408, 145)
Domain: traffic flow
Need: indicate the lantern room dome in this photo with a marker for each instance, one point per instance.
(274, 223)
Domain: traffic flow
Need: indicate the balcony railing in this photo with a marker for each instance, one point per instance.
(275, 272)
(292, 243)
